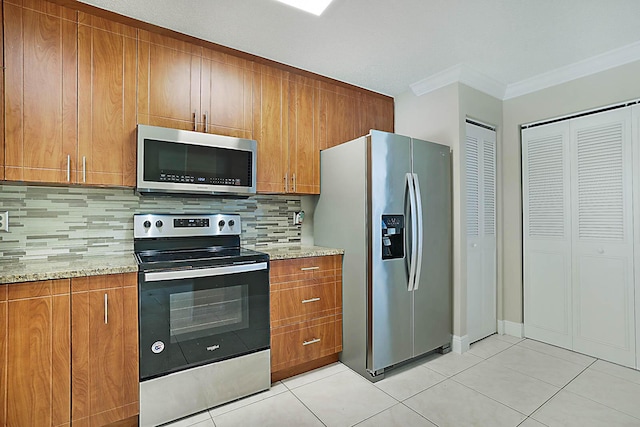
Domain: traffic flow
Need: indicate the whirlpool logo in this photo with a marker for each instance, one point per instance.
(213, 347)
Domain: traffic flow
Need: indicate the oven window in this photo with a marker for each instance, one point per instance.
(205, 312)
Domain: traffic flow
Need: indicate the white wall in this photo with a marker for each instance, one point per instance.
(435, 117)
(440, 116)
(605, 88)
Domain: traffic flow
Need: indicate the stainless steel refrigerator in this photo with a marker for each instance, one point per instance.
(386, 199)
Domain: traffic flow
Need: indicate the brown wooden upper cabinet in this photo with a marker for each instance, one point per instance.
(41, 119)
(186, 86)
(270, 114)
(70, 98)
(106, 102)
(76, 86)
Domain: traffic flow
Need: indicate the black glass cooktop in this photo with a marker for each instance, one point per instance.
(201, 257)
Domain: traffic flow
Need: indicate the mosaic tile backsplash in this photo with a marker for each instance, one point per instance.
(61, 223)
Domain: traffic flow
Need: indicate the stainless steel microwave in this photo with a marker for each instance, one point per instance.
(180, 161)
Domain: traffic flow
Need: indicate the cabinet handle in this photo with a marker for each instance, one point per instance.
(309, 268)
(84, 168)
(294, 182)
(68, 167)
(106, 309)
(304, 301)
(195, 120)
(206, 122)
(313, 341)
(286, 182)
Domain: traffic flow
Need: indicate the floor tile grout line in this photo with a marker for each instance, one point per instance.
(495, 400)
(595, 401)
(316, 380)
(531, 376)
(555, 346)
(426, 418)
(562, 388)
(308, 409)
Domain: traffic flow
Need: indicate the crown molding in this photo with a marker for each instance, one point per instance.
(460, 73)
(587, 67)
(464, 74)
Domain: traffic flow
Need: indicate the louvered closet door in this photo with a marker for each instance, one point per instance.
(481, 232)
(547, 234)
(603, 282)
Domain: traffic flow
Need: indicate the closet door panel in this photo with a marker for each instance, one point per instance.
(547, 234)
(635, 129)
(602, 250)
(480, 152)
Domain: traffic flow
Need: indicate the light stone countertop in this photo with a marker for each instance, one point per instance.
(290, 251)
(32, 270)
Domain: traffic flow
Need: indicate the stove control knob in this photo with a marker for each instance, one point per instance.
(146, 224)
(221, 223)
(232, 223)
(158, 223)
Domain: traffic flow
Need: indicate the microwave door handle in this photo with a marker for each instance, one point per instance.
(203, 272)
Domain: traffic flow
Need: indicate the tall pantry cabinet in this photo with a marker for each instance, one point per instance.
(580, 185)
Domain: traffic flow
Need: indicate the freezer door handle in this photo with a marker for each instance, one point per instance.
(416, 187)
(414, 231)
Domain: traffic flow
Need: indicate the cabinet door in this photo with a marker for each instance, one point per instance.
(37, 344)
(168, 82)
(270, 128)
(603, 290)
(547, 234)
(40, 92)
(104, 353)
(338, 115)
(304, 132)
(106, 102)
(226, 91)
(375, 112)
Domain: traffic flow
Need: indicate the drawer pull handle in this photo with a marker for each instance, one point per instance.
(309, 268)
(304, 301)
(313, 341)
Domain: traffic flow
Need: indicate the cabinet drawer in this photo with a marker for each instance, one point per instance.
(308, 341)
(302, 303)
(304, 268)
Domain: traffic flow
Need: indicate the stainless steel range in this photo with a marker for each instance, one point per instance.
(204, 314)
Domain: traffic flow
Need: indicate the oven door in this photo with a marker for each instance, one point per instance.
(193, 317)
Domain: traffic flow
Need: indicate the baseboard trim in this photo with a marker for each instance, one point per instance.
(511, 328)
(460, 344)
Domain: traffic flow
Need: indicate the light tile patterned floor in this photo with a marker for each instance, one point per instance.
(500, 381)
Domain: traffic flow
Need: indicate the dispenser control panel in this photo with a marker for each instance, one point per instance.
(392, 236)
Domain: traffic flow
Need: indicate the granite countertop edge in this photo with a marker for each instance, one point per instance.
(278, 252)
(35, 270)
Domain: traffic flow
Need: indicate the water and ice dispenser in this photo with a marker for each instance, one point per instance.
(392, 236)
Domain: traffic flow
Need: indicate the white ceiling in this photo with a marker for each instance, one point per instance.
(388, 45)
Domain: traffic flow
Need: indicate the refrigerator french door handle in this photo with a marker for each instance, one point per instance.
(414, 231)
(416, 187)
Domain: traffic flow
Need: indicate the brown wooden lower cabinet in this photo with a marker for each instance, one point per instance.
(35, 337)
(306, 314)
(104, 376)
(67, 359)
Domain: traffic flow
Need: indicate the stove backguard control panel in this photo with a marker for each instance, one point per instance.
(183, 225)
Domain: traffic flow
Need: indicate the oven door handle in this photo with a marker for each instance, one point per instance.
(203, 272)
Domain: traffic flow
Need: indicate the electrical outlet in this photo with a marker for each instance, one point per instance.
(298, 217)
(4, 221)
